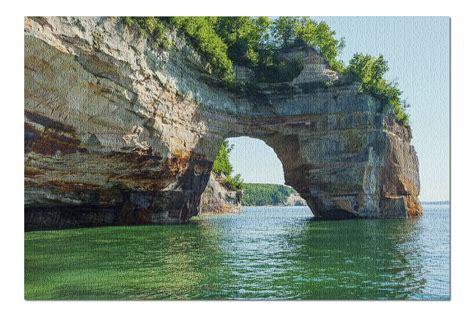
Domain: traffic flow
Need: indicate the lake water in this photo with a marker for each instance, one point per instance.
(261, 253)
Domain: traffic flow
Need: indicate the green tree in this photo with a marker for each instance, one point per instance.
(265, 194)
(247, 41)
(255, 42)
(288, 31)
(201, 31)
(223, 167)
(284, 30)
(320, 36)
(222, 163)
(243, 36)
(234, 183)
(150, 26)
(369, 71)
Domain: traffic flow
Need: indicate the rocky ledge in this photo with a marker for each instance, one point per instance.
(118, 132)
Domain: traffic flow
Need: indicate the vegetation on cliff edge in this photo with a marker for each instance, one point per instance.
(245, 41)
(223, 167)
(255, 42)
(369, 71)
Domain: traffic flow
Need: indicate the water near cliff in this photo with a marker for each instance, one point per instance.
(261, 253)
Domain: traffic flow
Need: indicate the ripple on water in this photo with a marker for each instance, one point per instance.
(261, 253)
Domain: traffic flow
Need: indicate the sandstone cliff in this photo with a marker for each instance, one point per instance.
(119, 132)
(217, 199)
(295, 200)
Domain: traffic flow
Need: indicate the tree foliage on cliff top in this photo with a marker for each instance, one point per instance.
(246, 41)
(223, 167)
(255, 41)
(369, 71)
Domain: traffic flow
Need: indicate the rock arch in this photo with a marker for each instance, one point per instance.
(126, 134)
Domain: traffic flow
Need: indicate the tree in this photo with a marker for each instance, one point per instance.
(320, 36)
(223, 167)
(201, 31)
(255, 42)
(247, 41)
(234, 183)
(287, 31)
(369, 71)
(265, 194)
(284, 30)
(244, 36)
(152, 26)
(222, 163)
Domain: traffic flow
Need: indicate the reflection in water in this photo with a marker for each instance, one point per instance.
(140, 262)
(262, 253)
(274, 253)
(362, 259)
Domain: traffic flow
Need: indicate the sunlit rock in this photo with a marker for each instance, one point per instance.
(118, 132)
(218, 199)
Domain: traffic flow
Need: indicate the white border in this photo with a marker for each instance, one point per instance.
(12, 153)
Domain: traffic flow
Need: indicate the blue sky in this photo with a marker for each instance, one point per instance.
(417, 51)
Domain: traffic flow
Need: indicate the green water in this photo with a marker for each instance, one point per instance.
(262, 253)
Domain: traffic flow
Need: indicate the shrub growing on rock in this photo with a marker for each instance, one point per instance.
(369, 71)
(255, 41)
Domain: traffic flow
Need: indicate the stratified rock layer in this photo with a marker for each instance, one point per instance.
(119, 132)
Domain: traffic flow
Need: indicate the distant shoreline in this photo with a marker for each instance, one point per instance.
(435, 202)
(276, 205)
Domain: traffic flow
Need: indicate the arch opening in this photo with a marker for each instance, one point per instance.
(252, 174)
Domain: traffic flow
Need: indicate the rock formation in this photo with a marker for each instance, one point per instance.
(217, 199)
(295, 200)
(120, 132)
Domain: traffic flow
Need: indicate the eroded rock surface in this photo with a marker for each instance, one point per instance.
(295, 200)
(119, 132)
(218, 199)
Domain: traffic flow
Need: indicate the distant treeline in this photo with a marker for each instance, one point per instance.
(259, 194)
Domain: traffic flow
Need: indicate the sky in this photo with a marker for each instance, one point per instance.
(417, 51)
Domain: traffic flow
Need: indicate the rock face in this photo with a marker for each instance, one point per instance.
(217, 199)
(295, 200)
(119, 132)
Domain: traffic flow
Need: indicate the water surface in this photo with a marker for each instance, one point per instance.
(261, 253)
